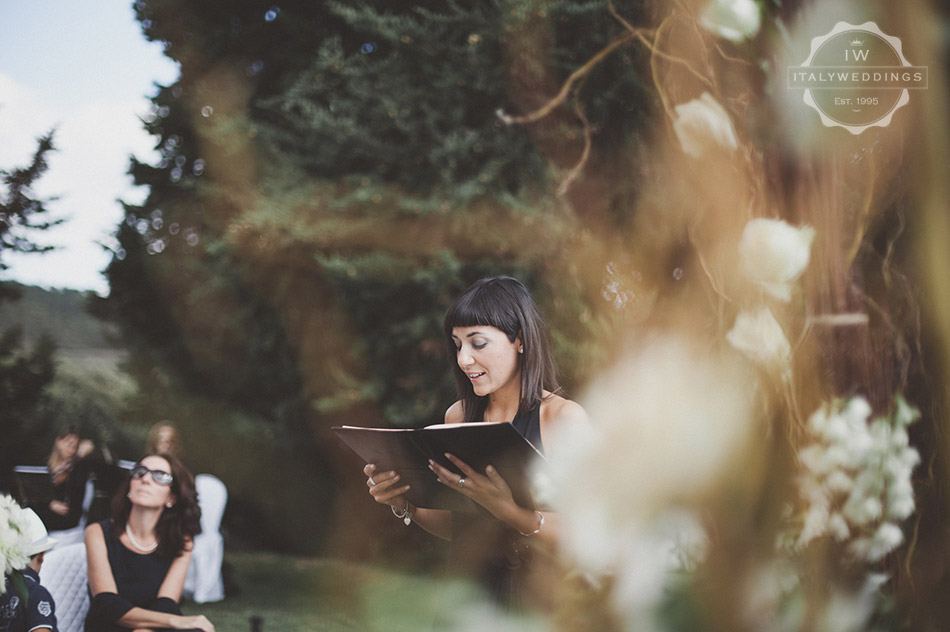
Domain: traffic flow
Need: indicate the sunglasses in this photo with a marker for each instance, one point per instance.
(160, 477)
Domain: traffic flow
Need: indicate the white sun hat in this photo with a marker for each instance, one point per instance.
(40, 541)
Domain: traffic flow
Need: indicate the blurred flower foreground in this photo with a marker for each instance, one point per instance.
(753, 461)
(14, 538)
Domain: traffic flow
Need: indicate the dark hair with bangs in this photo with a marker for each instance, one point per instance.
(506, 304)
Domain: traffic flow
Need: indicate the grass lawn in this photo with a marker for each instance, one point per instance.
(322, 595)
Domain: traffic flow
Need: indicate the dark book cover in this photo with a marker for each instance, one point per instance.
(407, 451)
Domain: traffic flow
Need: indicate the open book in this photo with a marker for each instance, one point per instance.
(407, 451)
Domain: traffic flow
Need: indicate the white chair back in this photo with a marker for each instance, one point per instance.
(64, 575)
(204, 582)
(212, 498)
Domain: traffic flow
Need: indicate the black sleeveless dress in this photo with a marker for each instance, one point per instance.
(489, 551)
(137, 578)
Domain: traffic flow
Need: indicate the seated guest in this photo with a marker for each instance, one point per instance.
(163, 438)
(204, 582)
(138, 559)
(38, 612)
(62, 509)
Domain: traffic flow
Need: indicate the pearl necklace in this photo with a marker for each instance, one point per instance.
(144, 549)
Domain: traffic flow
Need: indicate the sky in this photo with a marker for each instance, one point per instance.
(86, 69)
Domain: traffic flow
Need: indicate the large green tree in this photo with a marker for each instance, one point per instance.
(22, 213)
(333, 174)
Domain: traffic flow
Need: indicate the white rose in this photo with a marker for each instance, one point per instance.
(734, 20)
(773, 253)
(759, 336)
(702, 124)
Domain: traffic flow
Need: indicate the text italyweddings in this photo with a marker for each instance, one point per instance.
(889, 77)
(857, 76)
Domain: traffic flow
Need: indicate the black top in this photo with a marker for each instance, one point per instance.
(529, 425)
(137, 576)
(490, 551)
(70, 490)
(39, 612)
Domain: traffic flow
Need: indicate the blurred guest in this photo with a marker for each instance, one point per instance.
(204, 582)
(62, 508)
(164, 438)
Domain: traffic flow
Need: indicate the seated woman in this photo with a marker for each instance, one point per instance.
(62, 509)
(138, 559)
(504, 371)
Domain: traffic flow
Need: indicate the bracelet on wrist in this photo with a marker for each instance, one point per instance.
(538, 530)
(404, 514)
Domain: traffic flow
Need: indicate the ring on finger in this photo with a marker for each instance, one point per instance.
(461, 482)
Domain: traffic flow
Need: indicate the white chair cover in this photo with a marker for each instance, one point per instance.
(204, 582)
(64, 575)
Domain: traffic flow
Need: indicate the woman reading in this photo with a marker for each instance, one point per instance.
(504, 372)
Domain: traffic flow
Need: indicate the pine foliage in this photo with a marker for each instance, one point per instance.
(414, 105)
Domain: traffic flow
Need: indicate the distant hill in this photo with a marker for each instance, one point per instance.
(60, 313)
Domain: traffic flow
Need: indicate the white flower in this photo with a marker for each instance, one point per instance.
(857, 411)
(900, 499)
(905, 414)
(14, 537)
(674, 541)
(667, 423)
(814, 457)
(759, 336)
(734, 20)
(816, 524)
(838, 527)
(773, 254)
(766, 588)
(848, 611)
(669, 416)
(862, 510)
(887, 537)
(703, 124)
(856, 477)
(839, 481)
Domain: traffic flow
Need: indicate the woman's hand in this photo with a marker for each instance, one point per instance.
(489, 489)
(384, 488)
(58, 506)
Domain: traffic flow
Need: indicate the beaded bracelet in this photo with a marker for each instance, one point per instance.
(538, 530)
